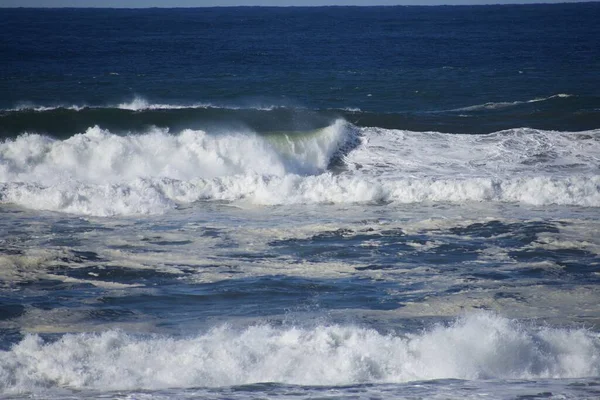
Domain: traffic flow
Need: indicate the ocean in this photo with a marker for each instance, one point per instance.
(287, 203)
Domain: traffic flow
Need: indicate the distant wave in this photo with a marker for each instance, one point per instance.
(141, 104)
(138, 104)
(500, 105)
(572, 113)
(478, 346)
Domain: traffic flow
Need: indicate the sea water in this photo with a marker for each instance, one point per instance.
(330, 202)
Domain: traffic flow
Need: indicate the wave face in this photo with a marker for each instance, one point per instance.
(101, 173)
(481, 346)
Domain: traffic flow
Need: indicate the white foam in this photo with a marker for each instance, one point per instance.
(525, 151)
(139, 103)
(137, 197)
(480, 346)
(328, 188)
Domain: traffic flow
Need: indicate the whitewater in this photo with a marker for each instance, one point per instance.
(318, 356)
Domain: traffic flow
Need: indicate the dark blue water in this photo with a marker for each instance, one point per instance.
(347, 202)
(403, 67)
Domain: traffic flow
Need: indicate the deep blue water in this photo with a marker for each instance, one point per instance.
(331, 202)
(404, 67)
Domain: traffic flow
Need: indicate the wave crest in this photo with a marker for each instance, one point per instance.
(98, 156)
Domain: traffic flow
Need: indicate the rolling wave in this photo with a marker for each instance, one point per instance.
(137, 104)
(479, 346)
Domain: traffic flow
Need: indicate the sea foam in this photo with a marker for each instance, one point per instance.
(479, 346)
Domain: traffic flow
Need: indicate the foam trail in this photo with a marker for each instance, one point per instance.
(480, 346)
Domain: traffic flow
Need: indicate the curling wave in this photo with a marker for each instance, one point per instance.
(98, 156)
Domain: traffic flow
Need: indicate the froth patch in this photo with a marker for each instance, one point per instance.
(480, 346)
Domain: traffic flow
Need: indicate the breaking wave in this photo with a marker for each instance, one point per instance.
(101, 173)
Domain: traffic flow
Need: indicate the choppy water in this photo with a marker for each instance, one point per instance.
(300, 203)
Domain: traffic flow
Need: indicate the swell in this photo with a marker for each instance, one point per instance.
(558, 112)
(63, 122)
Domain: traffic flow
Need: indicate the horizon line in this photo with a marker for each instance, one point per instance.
(300, 6)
